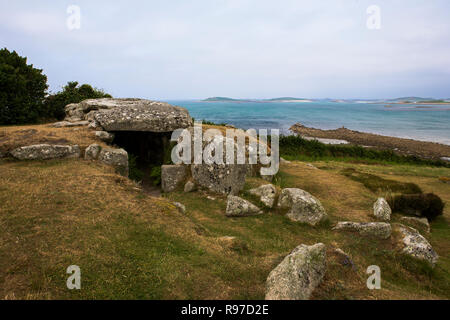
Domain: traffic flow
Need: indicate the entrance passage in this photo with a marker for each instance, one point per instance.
(147, 151)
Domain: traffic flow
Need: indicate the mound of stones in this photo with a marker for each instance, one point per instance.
(379, 230)
(300, 272)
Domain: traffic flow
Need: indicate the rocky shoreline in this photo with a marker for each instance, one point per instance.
(422, 149)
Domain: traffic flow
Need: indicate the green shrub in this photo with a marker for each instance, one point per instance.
(71, 93)
(22, 90)
(428, 205)
(155, 174)
(134, 173)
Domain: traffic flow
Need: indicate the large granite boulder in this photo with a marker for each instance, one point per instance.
(303, 207)
(238, 207)
(379, 230)
(296, 277)
(415, 245)
(266, 194)
(220, 178)
(117, 158)
(382, 210)
(46, 151)
(172, 176)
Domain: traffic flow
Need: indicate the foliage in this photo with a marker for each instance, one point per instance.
(22, 90)
(134, 173)
(296, 148)
(428, 205)
(155, 174)
(71, 93)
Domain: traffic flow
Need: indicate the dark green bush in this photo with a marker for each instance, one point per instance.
(54, 104)
(22, 90)
(428, 205)
(134, 173)
(155, 174)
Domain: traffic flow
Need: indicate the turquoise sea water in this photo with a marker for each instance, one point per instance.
(419, 122)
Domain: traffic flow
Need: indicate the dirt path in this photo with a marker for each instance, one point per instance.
(422, 149)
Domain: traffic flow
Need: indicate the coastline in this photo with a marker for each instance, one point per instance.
(410, 147)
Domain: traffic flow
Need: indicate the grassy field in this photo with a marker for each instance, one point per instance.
(132, 246)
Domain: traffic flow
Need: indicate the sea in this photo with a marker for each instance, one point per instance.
(414, 121)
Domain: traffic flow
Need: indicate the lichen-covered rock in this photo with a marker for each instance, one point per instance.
(139, 115)
(380, 230)
(415, 245)
(420, 223)
(189, 186)
(220, 178)
(266, 193)
(172, 176)
(46, 151)
(67, 124)
(238, 207)
(92, 152)
(117, 158)
(382, 210)
(105, 136)
(296, 277)
(303, 207)
(94, 125)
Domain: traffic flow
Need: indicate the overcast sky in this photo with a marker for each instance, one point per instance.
(177, 49)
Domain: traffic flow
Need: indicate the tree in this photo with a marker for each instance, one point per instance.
(71, 93)
(22, 89)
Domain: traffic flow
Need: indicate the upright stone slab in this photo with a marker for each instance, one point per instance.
(172, 176)
(117, 158)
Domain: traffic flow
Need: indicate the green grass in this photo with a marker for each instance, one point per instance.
(296, 148)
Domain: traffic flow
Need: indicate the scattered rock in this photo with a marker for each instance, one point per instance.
(180, 207)
(296, 277)
(46, 151)
(238, 207)
(210, 198)
(267, 194)
(420, 223)
(303, 207)
(380, 230)
(417, 246)
(382, 210)
(67, 124)
(117, 158)
(343, 258)
(92, 152)
(95, 126)
(105, 136)
(311, 166)
(224, 178)
(172, 176)
(189, 186)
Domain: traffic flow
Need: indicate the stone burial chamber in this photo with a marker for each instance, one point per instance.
(143, 128)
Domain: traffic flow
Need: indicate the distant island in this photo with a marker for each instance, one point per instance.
(403, 100)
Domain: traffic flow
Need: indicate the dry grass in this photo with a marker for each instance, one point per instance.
(132, 246)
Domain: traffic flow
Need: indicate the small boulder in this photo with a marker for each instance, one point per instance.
(296, 277)
(189, 186)
(379, 230)
(92, 152)
(172, 176)
(238, 207)
(105, 136)
(267, 194)
(181, 207)
(415, 245)
(382, 210)
(117, 158)
(303, 207)
(46, 151)
(420, 223)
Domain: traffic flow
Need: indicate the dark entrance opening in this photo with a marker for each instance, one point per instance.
(147, 151)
